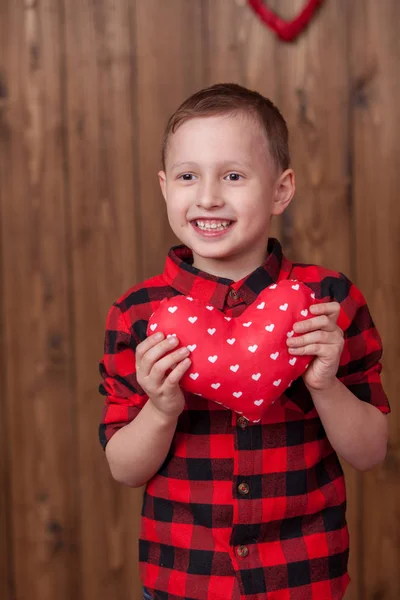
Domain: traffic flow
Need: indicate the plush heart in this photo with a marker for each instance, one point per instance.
(286, 30)
(242, 363)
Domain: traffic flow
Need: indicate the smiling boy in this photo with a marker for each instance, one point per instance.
(234, 509)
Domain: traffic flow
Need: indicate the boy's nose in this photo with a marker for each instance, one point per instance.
(210, 197)
(210, 202)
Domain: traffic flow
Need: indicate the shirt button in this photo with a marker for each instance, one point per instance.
(242, 422)
(243, 488)
(233, 294)
(242, 551)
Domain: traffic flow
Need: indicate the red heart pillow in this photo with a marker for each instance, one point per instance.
(242, 363)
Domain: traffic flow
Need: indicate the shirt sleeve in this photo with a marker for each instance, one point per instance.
(360, 365)
(124, 398)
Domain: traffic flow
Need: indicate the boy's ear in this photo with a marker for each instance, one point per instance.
(163, 183)
(285, 188)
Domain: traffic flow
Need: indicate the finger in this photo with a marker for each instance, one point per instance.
(160, 368)
(322, 322)
(316, 349)
(154, 353)
(321, 337)
(148, 343)
(176, 375)
(319, 348)
(332, 309)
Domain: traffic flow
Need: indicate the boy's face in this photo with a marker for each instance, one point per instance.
(221, 188)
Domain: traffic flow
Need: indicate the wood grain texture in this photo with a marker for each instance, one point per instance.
(39, 396)
(106, 258)
(319, 136)
(7, 583)
(375, 60)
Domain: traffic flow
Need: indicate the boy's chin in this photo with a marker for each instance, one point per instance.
(213, 253)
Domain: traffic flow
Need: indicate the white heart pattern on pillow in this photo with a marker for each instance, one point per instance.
(242, 362)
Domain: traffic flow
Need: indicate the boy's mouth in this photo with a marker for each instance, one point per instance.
(212, 226)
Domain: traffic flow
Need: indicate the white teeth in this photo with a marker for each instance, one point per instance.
(209, 226)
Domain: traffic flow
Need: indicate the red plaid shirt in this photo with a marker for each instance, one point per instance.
(241, 510)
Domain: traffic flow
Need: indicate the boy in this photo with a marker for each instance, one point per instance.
(236, 510)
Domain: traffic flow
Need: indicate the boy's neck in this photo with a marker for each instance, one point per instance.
(234, 268)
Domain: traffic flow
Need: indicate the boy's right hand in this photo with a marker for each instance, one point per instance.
(154, 357)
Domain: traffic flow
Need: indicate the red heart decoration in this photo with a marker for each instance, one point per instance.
(242, 363)
(286, 30)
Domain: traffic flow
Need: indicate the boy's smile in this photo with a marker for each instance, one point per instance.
(221, 188)
(211, 228)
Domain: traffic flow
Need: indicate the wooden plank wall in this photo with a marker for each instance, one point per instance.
(85, 91)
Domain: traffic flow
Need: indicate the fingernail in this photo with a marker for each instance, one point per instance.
(158, 336)
(173, 339)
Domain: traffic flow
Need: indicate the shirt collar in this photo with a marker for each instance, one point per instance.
(181, 275)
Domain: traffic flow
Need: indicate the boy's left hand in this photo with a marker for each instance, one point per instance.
(322, 337)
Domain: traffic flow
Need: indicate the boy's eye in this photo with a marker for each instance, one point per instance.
(190, 177)
(234, 176)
